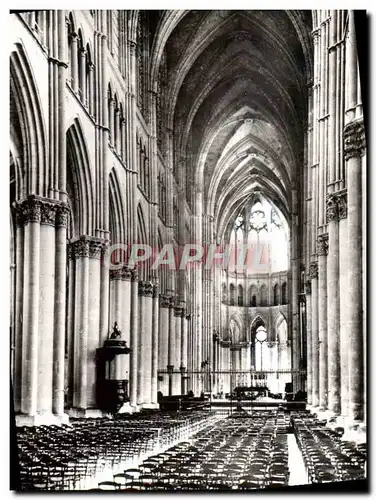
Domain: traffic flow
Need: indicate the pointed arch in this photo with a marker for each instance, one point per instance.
(253, 296)
(240, 296)
(263, 295)
(235, 329)
(232, 294)
(79, 180)
(276, 294)
(118, 212)
(32, 129)
(141, 226)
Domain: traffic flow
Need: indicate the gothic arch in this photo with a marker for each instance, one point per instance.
(79, 180)
(235, 329)
(257, 321)
(118, 213)
(26, 97)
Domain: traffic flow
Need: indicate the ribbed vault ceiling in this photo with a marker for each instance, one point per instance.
(237, 101)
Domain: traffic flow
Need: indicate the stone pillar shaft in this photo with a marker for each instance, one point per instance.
(134, 340)
(354, 147)
(322, 310)
(333, 309)
(30, 318)
(315, 334)
(145, 291)
(309, 342)
(154, 347)
(60, 315)
(164, 303)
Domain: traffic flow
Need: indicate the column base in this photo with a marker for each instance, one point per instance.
(41, 419)
(355, 432)
(313, 409)
(87, 413)
(136, 408)
(331, 418)
(323, 414)
(150, 406)
(127, 408)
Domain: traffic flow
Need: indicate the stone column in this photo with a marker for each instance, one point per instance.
(354, 147)
(344, 308)
(309, 342)
(74, 61)
(333, 308)
(154, 349)
(80, 249)
(164, 303)
(313, 269)
(46, 308)
(82, 55)
(60, 312)
(171, 346)
(188, 351)
(145, 292)
(18, 315)
(322, 251)
(134, 341)
(90, 98)
(31, 214)
(183, 357)
(177, 357)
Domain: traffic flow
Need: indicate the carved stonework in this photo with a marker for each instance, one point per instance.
(354, 138)
(80, 248)
(29, 210)
(313, 270)
(95, 248)
(342, 204)
(178, 310)
(132, 47)
(134, 275)
(322, 244)
(331, 207)
(70, 249)
(46, 211)
(164, 301)
(308, 287)
(145, 289)
(88, 246)
(62, 215)
(48, 214)
(123, 274)
(155, 290)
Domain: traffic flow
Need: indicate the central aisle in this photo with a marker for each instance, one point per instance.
(298, 471)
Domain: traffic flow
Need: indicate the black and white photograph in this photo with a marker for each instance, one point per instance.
(188, 250)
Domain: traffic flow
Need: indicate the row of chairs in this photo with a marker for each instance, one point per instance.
(77, 456)
(326, 457)
(234, 453)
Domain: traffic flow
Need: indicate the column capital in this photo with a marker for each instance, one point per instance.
(323, 244)
(145, 288)
(132, 47)
(124, 273)
(313, 270)
(87, 246)
(331, 207)
(46, 211)
(134, 276)
(342, 204)
(164, 300)
(178, 311)
(354, 138)
(62, 215)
